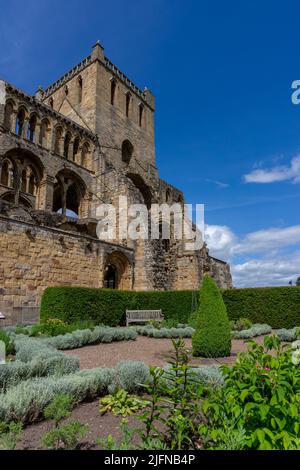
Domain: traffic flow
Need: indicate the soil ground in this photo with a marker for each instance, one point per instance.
(151, 351)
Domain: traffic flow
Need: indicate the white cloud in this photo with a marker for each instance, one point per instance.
(267, 264)
(220, 240)
(267, 272)
(278, 173)
(269, 239)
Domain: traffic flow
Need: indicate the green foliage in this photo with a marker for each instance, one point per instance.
(62, 436)
(100, 334)
(121, 403)
(55, 327)
(59, 408)
(260, 400)
(108, 306)
(174, 397)
(241, 324)
(148, 330)
(213, 334)
(9, 344)
(26, 401)
(130, 375)
(10, 435)
(110, 443)
(253, 332)
(276, 306)
(65, 437)
(288, 335)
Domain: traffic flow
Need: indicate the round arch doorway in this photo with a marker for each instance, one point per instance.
(117, 272)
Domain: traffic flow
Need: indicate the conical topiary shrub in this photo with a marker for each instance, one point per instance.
(213, 333)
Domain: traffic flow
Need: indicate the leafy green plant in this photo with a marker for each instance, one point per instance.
(241, 324)
(10, 435)
(213, 335)
(62, 436)
(9, 343)
(121, 403)
(175, 407)
(253, 332)
(260, 396)
(66, 437)
(109, 443)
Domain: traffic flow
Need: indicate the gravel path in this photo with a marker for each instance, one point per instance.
(151, 351)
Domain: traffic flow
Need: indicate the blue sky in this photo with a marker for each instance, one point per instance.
(227, 132)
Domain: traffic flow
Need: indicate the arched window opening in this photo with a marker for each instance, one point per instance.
(32, 184)
(7, 174)
(113, 91)
(28, 181)
(72, 201)
(168, 196)
(76, 148)
(85, 155)
(128, 100)
(32, 129)
(67, 196)
(58, 135)
(24, 181)
(67, 144)
(51, 103)
(80, 89)
(110, 277)
(141, 113)
(66, 90)
(20, 122)
(9, 109)
(44, 133)
(127, 151)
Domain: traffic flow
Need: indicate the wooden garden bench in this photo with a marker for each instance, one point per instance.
(143, 316)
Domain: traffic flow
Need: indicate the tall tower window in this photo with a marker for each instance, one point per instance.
(32, 129)
(128, 99)
(80, 87)
(20, 122)
(141, 113)
(113, 91)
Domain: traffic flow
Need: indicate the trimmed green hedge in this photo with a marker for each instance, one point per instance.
(107, 306)
(279, 307)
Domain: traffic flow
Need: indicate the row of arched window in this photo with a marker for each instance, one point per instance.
(39, 132)
(23, 179)
(113, 88)
(28, 178)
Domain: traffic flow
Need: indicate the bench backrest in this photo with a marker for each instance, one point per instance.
(144, 314)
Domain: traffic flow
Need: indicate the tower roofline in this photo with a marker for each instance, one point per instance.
(98, 55)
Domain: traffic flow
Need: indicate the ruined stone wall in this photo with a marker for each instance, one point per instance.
(34, 258)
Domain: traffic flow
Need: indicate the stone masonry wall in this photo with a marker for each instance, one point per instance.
(34, 258)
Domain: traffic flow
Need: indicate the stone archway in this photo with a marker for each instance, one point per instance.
(117, 272)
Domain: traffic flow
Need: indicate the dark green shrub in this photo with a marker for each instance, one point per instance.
(279, 307)
(62, 436)
(108, 307)
(213, 334)
(9, 344)
(241, 324)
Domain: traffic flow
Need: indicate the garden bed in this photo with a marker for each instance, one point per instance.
(151, 351)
